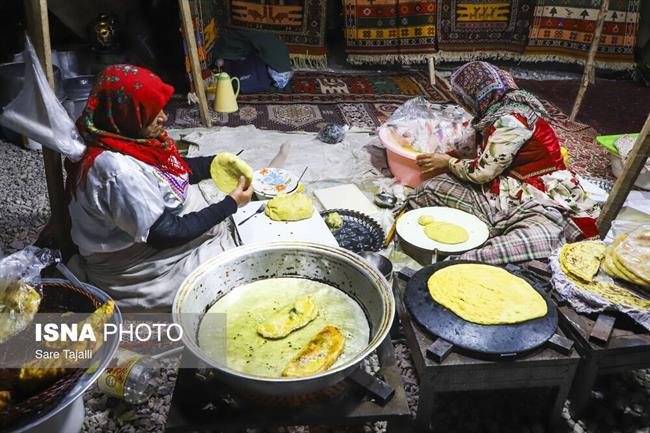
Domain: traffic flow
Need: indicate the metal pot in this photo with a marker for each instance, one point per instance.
(77, 91)
(235, 268)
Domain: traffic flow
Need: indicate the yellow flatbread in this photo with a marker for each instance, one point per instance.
(426, 219)
(292, 207)
(289, 318)
(318, 355)
(225, 170)
(633, 254)
(486, 295)
(582, 259)
(446, 233)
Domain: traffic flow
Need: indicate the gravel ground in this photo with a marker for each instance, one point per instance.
(25, 207)
(620, 403)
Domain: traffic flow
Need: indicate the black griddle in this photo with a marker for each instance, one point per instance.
(492, 341)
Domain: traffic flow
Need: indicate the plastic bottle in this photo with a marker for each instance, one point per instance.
(132, 379)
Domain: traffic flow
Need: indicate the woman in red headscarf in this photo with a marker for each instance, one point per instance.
(138, 222)
(517, 183)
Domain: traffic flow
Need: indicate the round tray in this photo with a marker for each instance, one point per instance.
(359, 232)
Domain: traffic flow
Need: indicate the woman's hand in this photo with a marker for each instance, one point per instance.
(435, 163)
(242, 195)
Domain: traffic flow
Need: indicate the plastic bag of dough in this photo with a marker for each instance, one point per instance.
(19, 300)
(37, 113)
(425, 127)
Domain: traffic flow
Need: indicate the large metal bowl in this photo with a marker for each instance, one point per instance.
(335, 266)
(103, 357)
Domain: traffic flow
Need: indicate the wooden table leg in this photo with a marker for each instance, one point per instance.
(582, 386)
(555, 417)
(432, 71)
(399, 425)
(424, 412)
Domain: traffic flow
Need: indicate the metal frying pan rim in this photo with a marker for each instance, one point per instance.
(417, 283)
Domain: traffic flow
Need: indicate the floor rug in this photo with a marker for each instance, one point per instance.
(299, 23)
(483, 28)
(313, 99)
(562, 30)
(609, 106)
(365, 101)
(389, 31)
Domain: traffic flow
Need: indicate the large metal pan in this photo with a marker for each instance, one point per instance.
(235, 268)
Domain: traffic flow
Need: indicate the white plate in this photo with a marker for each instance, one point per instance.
(413, 233)
(270, 182)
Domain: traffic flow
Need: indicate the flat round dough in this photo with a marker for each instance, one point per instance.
(289, 207)
(426, 219)
(446, 233)
(486, 295)
(225, 170)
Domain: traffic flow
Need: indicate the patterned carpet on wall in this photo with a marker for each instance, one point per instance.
(563, 30)
(365, 100)
(389, 31)
(483, 28)
(299, 23)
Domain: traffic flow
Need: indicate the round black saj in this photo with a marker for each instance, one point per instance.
(500, 341)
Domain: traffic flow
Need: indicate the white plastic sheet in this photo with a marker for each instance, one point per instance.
(37, 113)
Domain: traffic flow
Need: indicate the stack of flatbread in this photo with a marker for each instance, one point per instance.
(581, 262)
(628, 257)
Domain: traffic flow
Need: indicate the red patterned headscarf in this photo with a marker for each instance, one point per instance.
(124, 101)
(481, 84)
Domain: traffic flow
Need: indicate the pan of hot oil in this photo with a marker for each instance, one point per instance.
(250, 284)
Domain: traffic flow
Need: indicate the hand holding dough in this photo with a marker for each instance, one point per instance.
(225, 170)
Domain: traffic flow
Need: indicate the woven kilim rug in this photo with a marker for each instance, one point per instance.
(387, 31)
(482, 29)
(562, 30)
(299, 23)
(313, 99)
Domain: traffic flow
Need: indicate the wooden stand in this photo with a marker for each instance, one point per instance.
(188, 413)
(456, 372)
(603, 347)
(623, 350)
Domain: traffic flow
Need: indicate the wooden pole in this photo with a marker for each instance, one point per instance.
(589, 74)
(195, 65)
(633, 165)
(39, 31)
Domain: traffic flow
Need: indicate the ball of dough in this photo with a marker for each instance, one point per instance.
(426, 219)
(292, 207)
(225, 170)
(334, 220)
(446, 233)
